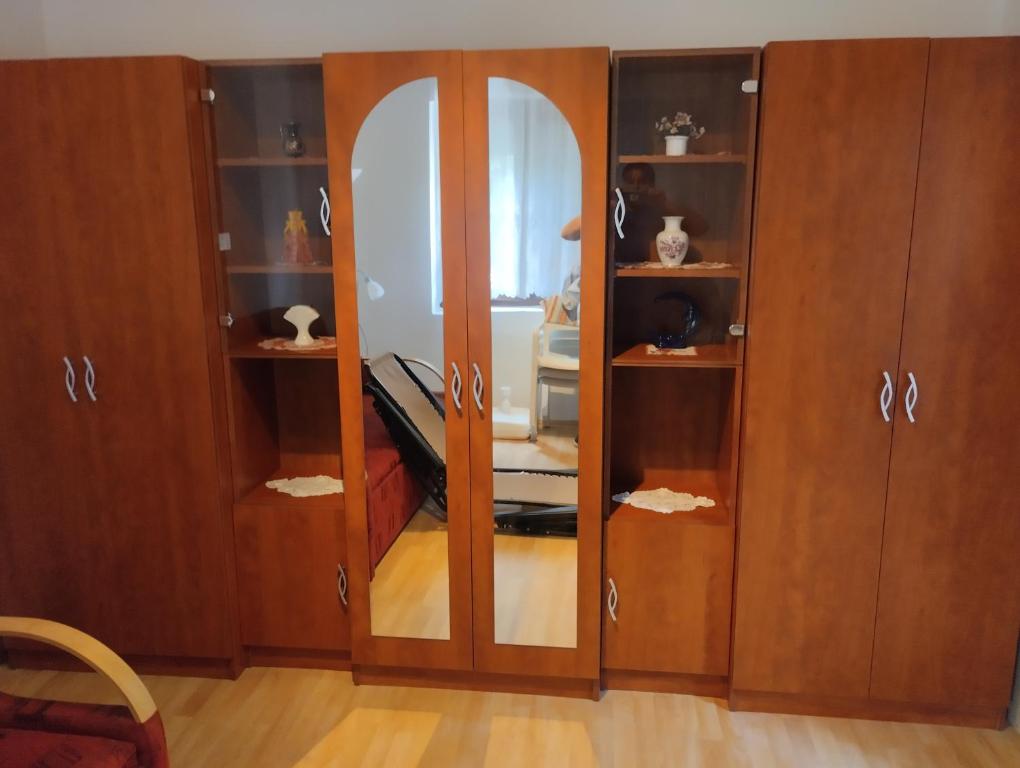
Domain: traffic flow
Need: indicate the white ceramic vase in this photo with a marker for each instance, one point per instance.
(676, 145)
(672, 242)
(301, 316)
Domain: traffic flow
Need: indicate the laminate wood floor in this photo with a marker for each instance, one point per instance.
(278, 718)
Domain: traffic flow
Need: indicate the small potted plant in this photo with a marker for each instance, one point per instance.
(677, 131)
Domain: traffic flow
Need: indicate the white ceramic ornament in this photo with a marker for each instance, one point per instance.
(301, 316)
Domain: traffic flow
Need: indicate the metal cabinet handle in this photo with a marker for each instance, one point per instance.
(69, 379)
(478, 388)
(90, 378)
(456, 385)
(324, 211)
(619, 213)
(885, 400)
(910, 398)
(612, 600)
(341, 583)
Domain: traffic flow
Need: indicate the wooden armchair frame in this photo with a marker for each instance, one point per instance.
(89, 650)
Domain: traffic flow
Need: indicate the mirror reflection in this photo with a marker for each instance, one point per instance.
(395, 181)
(535, 276)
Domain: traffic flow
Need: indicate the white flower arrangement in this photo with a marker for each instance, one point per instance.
(681, 124)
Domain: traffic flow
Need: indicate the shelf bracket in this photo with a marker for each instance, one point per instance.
(223, 241)
(207, 95)
(737, 329)
(749, 86)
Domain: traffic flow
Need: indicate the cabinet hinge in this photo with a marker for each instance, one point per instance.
(223, 241)
(207, 95)
(737, 329)
(749, 86)
(227, 320)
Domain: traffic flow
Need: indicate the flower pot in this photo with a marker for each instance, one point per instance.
(672, 242)
(676, 145)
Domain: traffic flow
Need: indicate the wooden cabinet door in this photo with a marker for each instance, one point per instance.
(127, 234)
(287, 562)
(356, 85)
(840, 131)
(144, 237)
(540, 614)
(674, 586)
(948, 613)
(47, 542)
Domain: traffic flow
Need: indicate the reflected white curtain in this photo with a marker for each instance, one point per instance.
(534, 190)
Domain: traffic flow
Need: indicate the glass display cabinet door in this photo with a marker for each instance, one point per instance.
(535, 131)
(270, 139)
(398, 243)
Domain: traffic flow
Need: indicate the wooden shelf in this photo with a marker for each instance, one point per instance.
(280, 269)
(260, 496)
(638, 270)
(692, 482)
(724, 158)
(251, 349)
(708, 356)
(269, 162)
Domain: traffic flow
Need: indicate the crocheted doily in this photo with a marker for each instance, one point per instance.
(323, 342)
(664, 500)
(319, 485)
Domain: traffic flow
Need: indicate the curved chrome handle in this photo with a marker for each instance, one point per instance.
(90, 378)
(612, 600)
(456, 386)
(910, 398)
(324, 211)
(69, 379)
(478, 388)
(886, 398)
(341, 583)
(619, 213)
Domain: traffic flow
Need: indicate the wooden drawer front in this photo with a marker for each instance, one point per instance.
(287, 578)
(674, 586)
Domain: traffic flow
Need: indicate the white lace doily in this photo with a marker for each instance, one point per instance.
(660, 265)
(664, 500)
(319, 485)
(323, 342)
(651, 349)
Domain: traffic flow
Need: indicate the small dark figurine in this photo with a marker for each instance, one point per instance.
(681, 312)
(293, 144)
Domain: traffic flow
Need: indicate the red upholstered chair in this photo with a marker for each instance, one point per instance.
(48, 734)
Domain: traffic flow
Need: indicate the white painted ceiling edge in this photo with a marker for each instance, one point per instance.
(269, 28)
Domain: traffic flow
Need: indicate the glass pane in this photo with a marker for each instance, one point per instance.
(535, 273)
(395, 174)
(271, 160)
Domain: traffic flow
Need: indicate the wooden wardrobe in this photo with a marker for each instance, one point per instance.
(878, 530)
(112, 450)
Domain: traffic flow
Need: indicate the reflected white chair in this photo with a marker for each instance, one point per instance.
(555, 361)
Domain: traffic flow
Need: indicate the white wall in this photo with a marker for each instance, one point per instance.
(22, 33)
(243, 28)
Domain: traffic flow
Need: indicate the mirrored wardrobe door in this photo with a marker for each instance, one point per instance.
(394, 125)
(535, 131)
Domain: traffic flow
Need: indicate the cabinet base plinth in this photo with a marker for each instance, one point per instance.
(867, 709)
(665, 682)
(576, 688)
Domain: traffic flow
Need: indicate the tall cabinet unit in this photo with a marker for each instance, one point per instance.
(877, 517)
(266, 123)
(468, 202)
(111, 513)
(672, 405)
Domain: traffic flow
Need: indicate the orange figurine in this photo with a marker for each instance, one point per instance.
(296, 248)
